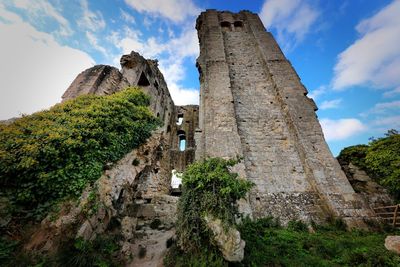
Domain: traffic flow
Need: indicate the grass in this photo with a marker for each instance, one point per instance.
(269, 244)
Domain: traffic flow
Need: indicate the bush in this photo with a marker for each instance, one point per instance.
(209, 188)
(383, 160)
(354, 154)
(53, 154)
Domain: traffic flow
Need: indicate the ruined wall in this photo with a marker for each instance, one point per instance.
(375, 194)
(136, 71)
(253, 105)
(180, 158)
(98, 80)
(133, 195)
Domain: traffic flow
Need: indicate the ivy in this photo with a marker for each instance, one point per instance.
(56, 153)
(208, 188)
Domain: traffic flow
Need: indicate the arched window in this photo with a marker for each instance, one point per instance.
(182, 140)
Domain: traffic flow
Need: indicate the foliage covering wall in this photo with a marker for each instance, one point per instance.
(54, 154)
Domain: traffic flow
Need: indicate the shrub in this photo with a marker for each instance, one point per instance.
(354, 154)
(383, 160)
(54, 154)
(209, 188)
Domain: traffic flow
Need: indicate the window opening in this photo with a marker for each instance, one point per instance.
(143, 81)
(238, 24)
(176, 182)
(226, 25)
(182, 140)
(180, 119)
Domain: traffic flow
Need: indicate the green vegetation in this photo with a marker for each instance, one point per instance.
(101, 252)
(380, 159)
(54, 154)
(6, 249)
(268, 244)
(209, 188)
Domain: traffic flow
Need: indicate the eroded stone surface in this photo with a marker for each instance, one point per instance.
(228, 240)
(392, 243)
(98, 80)
(376, 195)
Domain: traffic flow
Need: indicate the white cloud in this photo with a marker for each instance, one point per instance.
(385, 123)
(329, 104)
(392, 93)
(40, 8)
(373, 59)
(341, 129)
(35, 69)
(94, 42)
(173, 74)
(383, 108)
(316, 93)
(183, 96)
(90, 20)
(174, 10)
(292, 19)
(128, 18)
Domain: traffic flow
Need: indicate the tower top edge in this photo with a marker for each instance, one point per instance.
(226, 11)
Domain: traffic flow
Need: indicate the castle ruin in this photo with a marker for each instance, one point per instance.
(252, 106)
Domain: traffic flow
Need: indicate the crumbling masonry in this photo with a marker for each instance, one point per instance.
(252, 106)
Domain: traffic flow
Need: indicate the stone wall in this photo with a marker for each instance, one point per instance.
(253, 105)
(375, 194)
(136, 71)
(189, 116)
(133, 194)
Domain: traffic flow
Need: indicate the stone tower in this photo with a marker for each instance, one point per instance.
(253, 105)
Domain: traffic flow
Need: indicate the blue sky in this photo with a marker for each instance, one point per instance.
(347, 53)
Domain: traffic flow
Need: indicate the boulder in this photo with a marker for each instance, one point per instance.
(392, 243)
(228, 240)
